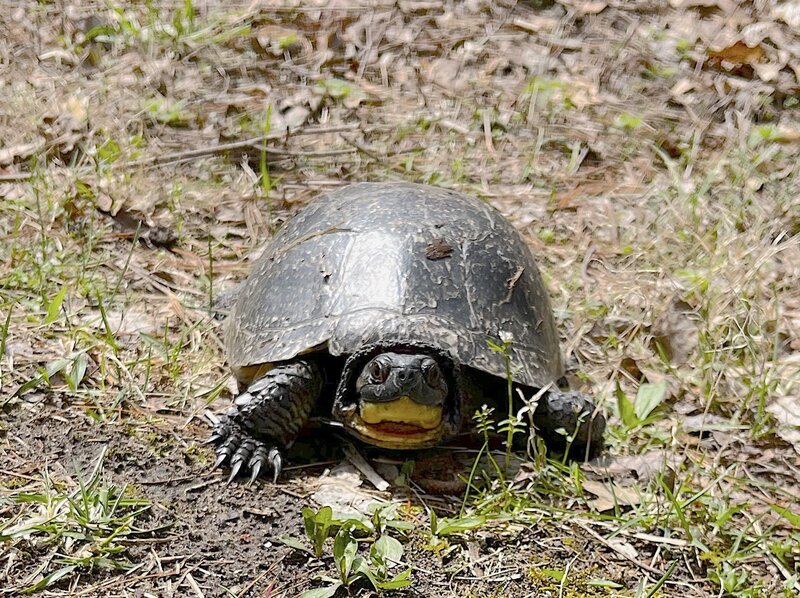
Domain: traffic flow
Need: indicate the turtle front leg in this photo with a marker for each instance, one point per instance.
(266, 418)
(564, 414)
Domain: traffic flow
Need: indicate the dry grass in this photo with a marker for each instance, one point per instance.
(649, 159)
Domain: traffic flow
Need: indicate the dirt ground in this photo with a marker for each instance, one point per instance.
(647, 152)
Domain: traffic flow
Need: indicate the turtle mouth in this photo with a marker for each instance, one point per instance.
(402, 423)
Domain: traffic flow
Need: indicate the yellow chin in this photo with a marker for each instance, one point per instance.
(399, 424)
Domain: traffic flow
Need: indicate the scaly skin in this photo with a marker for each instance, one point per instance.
(569, 411)
(266, 418)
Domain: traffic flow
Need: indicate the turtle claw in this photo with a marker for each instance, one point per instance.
(244, 453)
(257, 461)
(221, 457)
(276, 460)
(255, 470)
(234, 471)
(213, 439)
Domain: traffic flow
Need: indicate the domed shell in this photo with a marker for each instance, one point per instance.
(378, 262)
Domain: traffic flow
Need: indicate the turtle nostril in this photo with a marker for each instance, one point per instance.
(404, 376)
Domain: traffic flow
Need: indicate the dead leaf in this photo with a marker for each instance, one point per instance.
(676, 332)
(132, 321)
(704, 6)
(633, 469)
(706, 422)
(341, 490)
(275, 40)
(585, 7)
(789, 13)
(738, 58)
(438, 249)
(786, 411)
(447, 74)
(610, 495)
(22, 151)
(77, 109)
(624, 548)
(629, 365)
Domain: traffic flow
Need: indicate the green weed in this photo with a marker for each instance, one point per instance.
(385, 552)
(86, 521)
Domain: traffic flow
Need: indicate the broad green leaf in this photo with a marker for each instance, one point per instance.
(626, 409)
(362, 525)
(54, 307)
(359, 568)
(403, 580)
(362, 569)
(454, 526)
(322, 592)
(387, 550)
(293, 543)
(402, 526)
(648, 398)
(317, 526)
(77, 371)
(308, 522)
(344, 551)
(324, 516)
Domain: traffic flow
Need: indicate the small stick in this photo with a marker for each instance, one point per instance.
(608, 544)
(365, 468)
(235, 145)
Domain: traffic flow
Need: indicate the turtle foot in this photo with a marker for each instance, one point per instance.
(265, 418)
(244, 453)
(561, 416)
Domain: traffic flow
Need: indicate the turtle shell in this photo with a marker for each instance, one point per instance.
(397, 262)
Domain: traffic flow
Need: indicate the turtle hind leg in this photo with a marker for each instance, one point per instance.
(560, 415)
(266, 418)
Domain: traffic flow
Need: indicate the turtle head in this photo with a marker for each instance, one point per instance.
(400, 400)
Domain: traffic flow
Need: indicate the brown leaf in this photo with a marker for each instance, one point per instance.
(629, 365)
(676, 332)
(786, 411)
(341, 490)
(447, 74)
(438, 249)
(705, 422)
(738, 58)
(610, 495)
(22, 151)
(629, 470)
(275, 40)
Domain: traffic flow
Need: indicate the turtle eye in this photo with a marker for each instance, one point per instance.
(433, 375)
(378, 372)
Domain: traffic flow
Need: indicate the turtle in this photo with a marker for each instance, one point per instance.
(375, 307)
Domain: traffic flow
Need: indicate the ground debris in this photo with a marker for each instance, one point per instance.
(648, 153)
